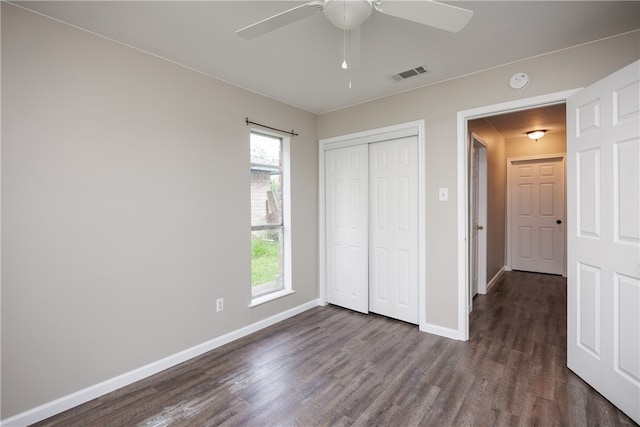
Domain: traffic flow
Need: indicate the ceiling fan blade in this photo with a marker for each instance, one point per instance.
(428, 12)
(280, 20)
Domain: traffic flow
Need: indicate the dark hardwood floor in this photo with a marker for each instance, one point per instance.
(330, 366)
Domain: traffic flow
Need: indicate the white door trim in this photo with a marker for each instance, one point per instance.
(463, 187)
(508, 236)
(416, 128)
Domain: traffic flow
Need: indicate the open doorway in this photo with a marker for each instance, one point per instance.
(507, 144)
(602, 135)
(503, 127)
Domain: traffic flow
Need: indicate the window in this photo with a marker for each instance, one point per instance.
(269, 218)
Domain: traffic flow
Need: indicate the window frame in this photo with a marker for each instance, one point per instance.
(287, 287)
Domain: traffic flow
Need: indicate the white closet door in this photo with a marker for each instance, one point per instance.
(393, 229)
(347, 212)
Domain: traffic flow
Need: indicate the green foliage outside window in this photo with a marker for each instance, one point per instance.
(265, 261)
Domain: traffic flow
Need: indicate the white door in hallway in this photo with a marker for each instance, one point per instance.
(347, 233)
(478, 227)
(603, 314)
(393, 228)
(537, 215)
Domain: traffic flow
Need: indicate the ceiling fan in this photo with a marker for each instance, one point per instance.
(350, 14)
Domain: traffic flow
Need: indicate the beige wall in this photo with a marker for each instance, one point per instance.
(496, 194)
(438, 105)
(525, 147)
(125, 196)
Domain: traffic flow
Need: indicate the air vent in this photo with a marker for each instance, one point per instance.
(408, 73)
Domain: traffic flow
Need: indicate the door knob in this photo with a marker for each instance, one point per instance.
(559, 221)
(479, 227)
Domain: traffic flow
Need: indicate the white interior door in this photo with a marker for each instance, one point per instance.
(475, 225)
(537, 215)
(478, 258)
(603, 314)
(393, 238)
(347, 213)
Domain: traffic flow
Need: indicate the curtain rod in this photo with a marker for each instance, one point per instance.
(249, 122)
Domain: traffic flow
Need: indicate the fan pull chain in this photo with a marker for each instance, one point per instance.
(350, 42)
(345, 65)
(344, 36)
(344, 50)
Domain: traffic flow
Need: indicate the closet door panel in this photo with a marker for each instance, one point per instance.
(347, 213)
(393, 228)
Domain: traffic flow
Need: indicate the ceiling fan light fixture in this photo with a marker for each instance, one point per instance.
(347, 14)
(536, 134)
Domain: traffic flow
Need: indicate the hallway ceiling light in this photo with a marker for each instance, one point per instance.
(536, 134)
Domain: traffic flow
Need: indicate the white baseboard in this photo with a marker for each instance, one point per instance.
(430, 328)
(496, 278)
(82, 396)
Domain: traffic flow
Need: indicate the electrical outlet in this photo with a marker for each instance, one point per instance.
(219, 304)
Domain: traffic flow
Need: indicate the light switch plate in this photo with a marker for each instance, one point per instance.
(443, 194)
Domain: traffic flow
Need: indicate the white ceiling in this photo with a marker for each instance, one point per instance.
(300, 64)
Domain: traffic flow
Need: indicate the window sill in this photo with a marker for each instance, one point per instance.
(270, 297)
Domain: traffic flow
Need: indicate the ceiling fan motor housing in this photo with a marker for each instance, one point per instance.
(347, 14)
